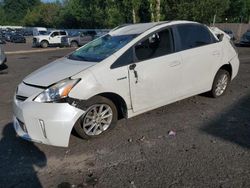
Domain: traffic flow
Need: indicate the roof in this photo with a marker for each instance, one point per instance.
(135, 29)
(131, 29)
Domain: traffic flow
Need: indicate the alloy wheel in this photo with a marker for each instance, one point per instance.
(221, 85)
(97, 119)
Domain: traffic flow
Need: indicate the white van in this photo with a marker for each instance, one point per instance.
(39, 31)
(129, 71)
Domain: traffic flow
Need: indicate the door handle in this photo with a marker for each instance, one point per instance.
(174, 63)
(132, 67)
(216, 53)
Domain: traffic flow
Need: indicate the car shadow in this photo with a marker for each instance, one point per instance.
(18, 160)
(234, 124)
(3, 67)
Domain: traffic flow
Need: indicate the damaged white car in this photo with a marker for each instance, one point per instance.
(131, 70)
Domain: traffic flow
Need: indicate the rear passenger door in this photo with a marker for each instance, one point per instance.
(200, 53)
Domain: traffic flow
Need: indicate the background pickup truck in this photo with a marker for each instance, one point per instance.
(49, 39)
(79, 39)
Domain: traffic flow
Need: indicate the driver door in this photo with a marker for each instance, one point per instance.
(155, 79)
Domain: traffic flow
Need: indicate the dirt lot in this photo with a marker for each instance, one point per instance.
(211, 147)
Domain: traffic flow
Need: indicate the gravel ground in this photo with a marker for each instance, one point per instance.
(211, 147)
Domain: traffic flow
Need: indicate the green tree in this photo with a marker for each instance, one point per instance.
(2, 16)
(15, 10)
(45, 15)
(201, 11)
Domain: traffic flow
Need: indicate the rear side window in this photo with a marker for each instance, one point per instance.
(62, 33)
(192, 36)
(158, 44)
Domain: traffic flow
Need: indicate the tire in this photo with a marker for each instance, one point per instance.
(44, 44)
(91, 126)
(74, 44)
(220, 87)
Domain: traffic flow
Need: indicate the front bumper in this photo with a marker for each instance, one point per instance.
(36, 44)
(47, 123)
(65, 44)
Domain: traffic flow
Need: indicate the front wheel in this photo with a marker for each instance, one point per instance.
(221, 83)
(100, 116)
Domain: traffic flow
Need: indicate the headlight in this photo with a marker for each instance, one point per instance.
(57, 91)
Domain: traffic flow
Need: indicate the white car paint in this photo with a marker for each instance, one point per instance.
(160, 81)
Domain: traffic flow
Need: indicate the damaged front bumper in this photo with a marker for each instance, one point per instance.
(47, 123)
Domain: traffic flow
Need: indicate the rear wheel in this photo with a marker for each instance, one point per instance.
(221, 83)
(44, 44)
(74, 44)
(100, 116)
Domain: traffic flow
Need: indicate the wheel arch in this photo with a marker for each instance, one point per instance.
(119, 102)
(227, 67)
(44, 40)
(74, 41)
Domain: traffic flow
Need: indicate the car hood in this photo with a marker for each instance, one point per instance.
(56, 71)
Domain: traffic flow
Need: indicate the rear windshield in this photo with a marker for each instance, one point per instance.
(101, 48)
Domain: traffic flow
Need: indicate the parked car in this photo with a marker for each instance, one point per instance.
(39, 31)
(2, 40)
(50, 39)
(17, 38)
(7, 36)
(3, 58)
(129, 71)
(245, 39)
(78, 40)
(230, 33)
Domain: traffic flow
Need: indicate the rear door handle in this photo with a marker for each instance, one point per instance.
(216, 53)
(174, 63)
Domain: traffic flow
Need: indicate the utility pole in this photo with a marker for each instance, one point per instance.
(214, 21)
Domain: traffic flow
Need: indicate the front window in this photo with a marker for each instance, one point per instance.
(158, 44)
(54, 34)
(101, 48)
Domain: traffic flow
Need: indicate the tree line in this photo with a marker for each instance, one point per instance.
(110, 13)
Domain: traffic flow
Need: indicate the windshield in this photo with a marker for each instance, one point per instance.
(101, 48)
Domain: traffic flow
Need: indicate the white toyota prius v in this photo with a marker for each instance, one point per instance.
(131, 70)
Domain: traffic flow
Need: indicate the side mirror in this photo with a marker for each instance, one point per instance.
(220, 36)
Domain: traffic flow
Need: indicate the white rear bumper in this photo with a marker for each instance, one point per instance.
(47, 123)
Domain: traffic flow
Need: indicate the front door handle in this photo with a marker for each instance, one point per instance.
(132, 67)
(174, 63)
(216, 53)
